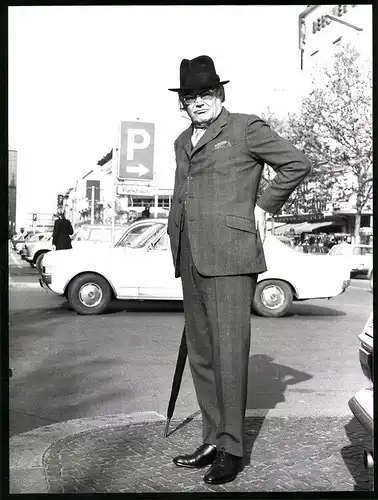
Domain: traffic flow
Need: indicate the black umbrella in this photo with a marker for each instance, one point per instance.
(177, 377)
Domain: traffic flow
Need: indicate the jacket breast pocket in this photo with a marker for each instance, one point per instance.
(242, 223)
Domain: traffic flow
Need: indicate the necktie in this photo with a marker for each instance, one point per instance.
(197, 134)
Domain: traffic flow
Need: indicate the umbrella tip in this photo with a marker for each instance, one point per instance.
(166, 428)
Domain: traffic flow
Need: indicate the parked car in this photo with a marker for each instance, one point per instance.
(362, 403)
(85, 237)
(21, 247)
(20, 240)
(140, 267)
(359, 257)
(16, 238)
(98, 234)
(370, 277)
(35, 250)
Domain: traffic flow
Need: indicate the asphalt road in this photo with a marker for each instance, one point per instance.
(68, 366)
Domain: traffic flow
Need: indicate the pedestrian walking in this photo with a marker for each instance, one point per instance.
(217, 227)
(62, 231)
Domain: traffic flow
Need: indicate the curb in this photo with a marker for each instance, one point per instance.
(26, 450)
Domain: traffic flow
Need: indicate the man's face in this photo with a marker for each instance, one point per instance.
(202, 106)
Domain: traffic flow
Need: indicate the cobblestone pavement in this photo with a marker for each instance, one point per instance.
(282, 454)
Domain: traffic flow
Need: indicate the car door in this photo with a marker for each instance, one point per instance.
(125, 261)
(157, 275)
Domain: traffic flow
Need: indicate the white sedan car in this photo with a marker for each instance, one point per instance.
(140, 267)
(358, 257)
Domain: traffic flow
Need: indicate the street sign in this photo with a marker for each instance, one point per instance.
(136, 189)
(136, 159)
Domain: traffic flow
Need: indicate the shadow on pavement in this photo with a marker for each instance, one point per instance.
(145, 306)
(353, 455)
(298, 309)
(308, 309)
(184, 422)
(267, 382)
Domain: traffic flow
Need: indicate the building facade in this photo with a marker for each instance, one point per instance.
(12, 190)
(98, 192)
(322, 28)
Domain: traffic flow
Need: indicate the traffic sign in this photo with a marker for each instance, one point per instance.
(136, 159)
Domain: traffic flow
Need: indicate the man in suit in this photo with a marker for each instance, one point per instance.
(217, 228)
(62, 231)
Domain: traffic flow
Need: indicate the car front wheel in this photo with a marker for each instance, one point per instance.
(273, 298)
(89, 294)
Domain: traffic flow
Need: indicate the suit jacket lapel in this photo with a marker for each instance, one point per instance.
(214, 130)
(187, 141)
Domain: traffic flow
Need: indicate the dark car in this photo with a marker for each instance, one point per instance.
(362, 403)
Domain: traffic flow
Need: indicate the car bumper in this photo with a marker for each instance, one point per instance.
(366, 361)
(361, 405)
(45, 280)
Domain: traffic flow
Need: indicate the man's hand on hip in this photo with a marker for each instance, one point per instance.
(260, 219)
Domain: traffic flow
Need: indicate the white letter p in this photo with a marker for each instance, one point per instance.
(132, 145)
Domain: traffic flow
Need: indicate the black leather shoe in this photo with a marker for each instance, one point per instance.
(225, 468)
(204, 455)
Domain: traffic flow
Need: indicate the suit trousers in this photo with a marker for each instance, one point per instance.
(217, 320)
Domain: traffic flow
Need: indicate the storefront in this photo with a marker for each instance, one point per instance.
(340, 223)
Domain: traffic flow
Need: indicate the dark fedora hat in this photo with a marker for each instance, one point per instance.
(198, 73)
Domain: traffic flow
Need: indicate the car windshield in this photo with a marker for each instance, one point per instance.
(142, 239)
(36, 237)
(363, 251)
(133, 234)
(100, 234)
(97, 234)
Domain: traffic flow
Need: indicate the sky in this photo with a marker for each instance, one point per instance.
(76, 72)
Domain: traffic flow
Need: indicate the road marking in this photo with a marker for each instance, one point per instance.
(15, 261)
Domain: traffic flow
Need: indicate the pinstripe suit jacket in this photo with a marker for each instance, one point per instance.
(217, 182)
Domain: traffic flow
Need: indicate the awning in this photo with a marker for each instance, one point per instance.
(286, 228)
(303, 227)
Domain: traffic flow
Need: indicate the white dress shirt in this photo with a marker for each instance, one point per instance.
(197, 134)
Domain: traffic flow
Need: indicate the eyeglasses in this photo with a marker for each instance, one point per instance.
(205, 95)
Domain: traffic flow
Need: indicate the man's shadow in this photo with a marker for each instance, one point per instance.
(267, 382)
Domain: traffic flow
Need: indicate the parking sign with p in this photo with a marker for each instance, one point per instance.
(136, 159)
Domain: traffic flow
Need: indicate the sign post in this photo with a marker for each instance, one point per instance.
(114, 187)
(92, 204)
